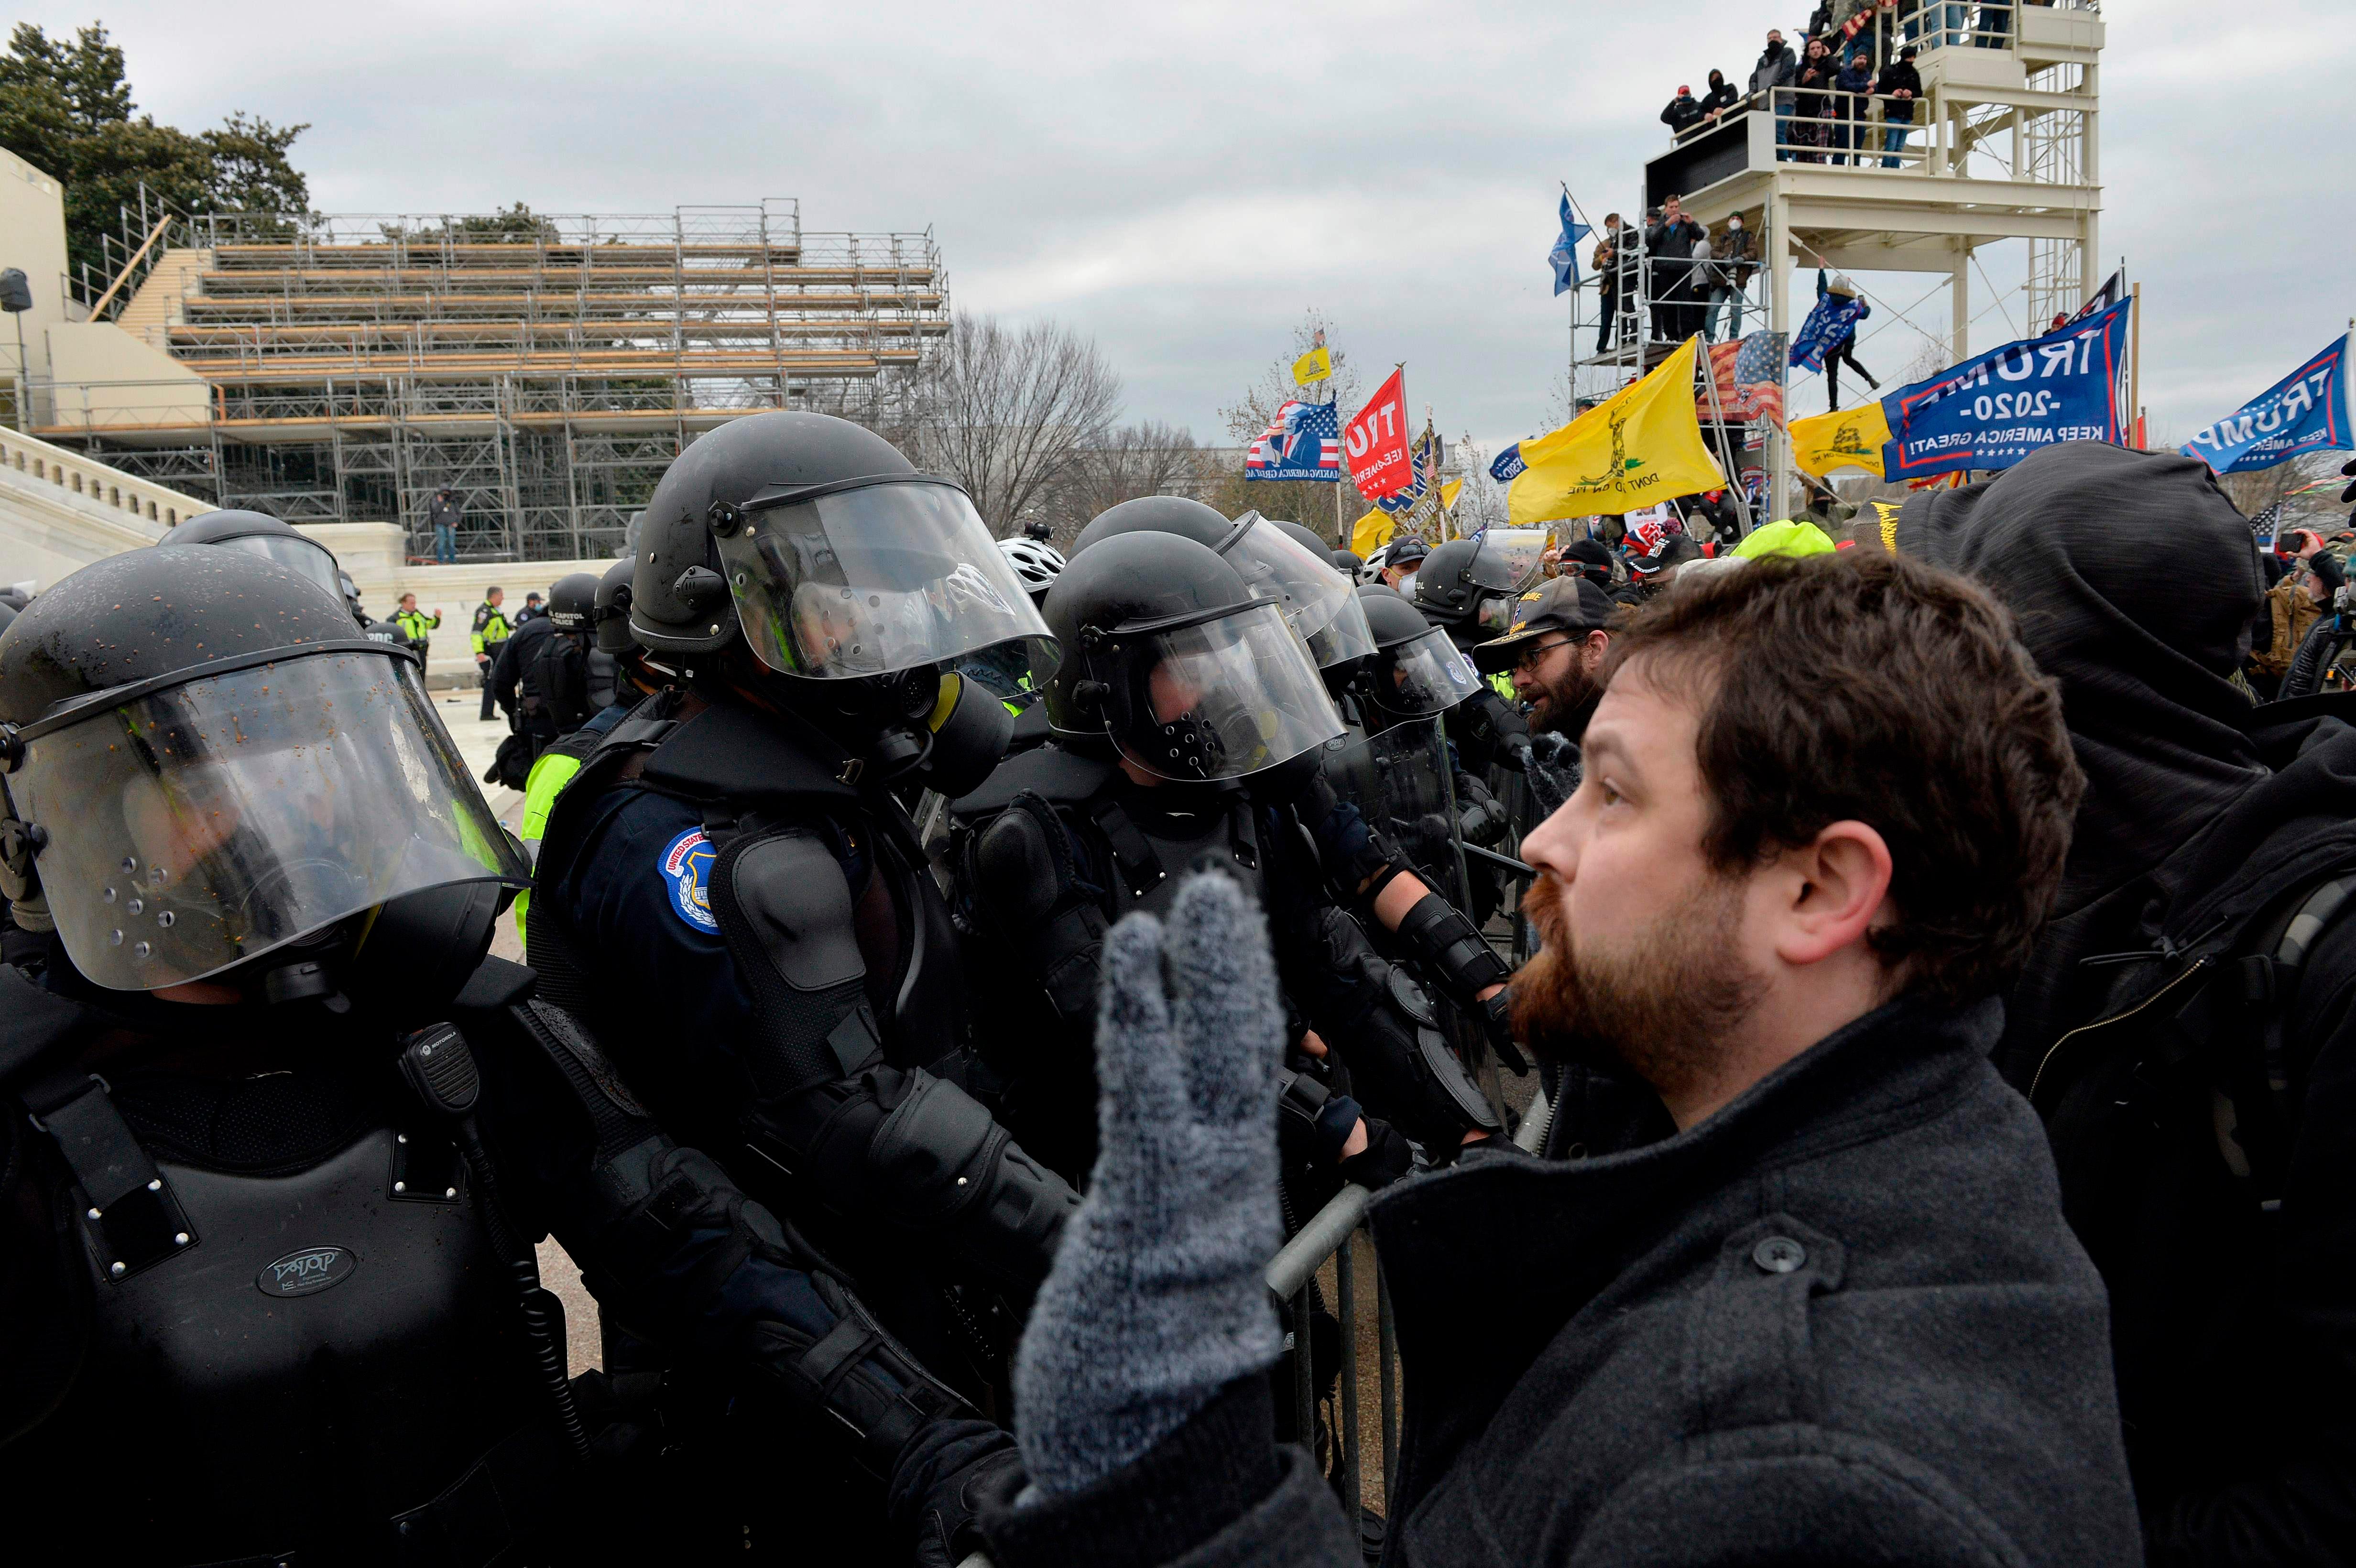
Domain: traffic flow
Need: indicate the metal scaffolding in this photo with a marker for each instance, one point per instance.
(546, 369)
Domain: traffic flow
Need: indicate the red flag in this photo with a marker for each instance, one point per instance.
(1376, 439)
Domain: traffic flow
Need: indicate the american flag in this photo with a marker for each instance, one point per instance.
(1302, 436)
(1759, 377)
(2267, 521)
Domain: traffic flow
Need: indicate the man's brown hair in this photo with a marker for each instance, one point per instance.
(1871, 688)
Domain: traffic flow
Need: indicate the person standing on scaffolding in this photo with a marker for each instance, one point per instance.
(1829, 335)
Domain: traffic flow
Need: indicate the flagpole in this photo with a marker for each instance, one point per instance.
(2135, 347)
(1340, 527)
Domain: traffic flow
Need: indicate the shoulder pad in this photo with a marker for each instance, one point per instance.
(1054, 772)
(726, 752)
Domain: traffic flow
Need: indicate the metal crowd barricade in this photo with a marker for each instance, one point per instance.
(1291, 1276)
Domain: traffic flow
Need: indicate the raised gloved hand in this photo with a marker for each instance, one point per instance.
(1156, 1299)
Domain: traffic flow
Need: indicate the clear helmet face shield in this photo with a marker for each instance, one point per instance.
(876, 578)
(1221, 698)
(1509, 559)
(298, 554)
(199, 825)
(1402, 783)
(1423, 675)
(1320, 604)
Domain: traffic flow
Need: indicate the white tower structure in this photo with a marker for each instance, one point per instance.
(2003, 145)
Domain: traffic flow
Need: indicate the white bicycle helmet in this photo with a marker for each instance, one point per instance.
(1037, 565)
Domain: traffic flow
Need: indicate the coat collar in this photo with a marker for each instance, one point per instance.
(1512, 1247)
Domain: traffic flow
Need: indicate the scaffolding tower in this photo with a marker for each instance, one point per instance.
(544, 368)
(2001, 144)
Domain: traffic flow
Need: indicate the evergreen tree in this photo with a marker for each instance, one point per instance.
(65, 108)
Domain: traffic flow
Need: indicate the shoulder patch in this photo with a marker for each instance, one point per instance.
(686, 865)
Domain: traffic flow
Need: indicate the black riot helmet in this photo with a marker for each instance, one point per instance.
(1169, 656)
(258, 533)
(216, 768)
(573, 602)
(611, 608)
(1468, 585)
(1416, 670)
(813, 540)
(1274, 566)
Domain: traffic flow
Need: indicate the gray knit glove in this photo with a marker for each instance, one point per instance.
(1156, 1299)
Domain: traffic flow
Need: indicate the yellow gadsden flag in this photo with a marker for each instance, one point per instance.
(1639, 445)
(1851, 438)
(1313, 366)
(1377, 527)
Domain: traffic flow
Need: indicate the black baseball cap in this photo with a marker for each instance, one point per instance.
(1406, 550)
(1561, 604)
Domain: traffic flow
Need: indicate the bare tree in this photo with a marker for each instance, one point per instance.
(1306, 501)
(1148, 459)
(1005, 410)
(1482, 503)
(2254, 492)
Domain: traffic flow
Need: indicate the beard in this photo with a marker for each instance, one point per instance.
(1662, 1000)
(1562, 701)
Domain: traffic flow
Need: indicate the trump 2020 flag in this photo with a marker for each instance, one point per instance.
(2305, 411)
(1564, 257)
(1302, 441)
(1996, 408)
(1380, 464)
(1508, 464)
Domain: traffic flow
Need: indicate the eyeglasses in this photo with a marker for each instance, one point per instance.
(1529, 658)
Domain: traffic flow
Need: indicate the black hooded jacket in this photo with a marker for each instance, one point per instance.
(2133, 580)
(2233, 1314)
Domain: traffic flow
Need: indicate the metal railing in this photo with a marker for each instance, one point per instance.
(1331, 1235)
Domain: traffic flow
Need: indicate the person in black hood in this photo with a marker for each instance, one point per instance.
(2201, 1130)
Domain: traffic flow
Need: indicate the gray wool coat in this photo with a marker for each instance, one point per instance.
(1841, 1321)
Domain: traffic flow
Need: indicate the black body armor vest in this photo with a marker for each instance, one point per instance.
(315, 1357)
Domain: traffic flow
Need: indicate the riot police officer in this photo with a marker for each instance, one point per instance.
(1188, 723)
(733, 884)
(1362, 870)
(279, 1137)
(260, 534)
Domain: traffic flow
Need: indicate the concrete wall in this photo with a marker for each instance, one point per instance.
(103, 377)
(376, 555)
(59, 511)
(33, 238)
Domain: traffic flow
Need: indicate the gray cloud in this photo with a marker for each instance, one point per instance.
(1184, 183)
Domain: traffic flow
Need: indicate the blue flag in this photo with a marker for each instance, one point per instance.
(2305, 411)
(1832, 323)
(1996, 408)
(1508, 463)
(1564, 257)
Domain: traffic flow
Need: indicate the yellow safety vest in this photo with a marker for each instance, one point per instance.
(550, 773)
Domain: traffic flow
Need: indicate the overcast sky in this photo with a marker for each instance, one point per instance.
(1183, 181)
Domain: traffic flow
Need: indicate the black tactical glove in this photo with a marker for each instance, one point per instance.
(944, 1480)
(1400, 1066)
(1386, 1158)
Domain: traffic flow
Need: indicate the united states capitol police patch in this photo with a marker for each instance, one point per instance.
(687, 867)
